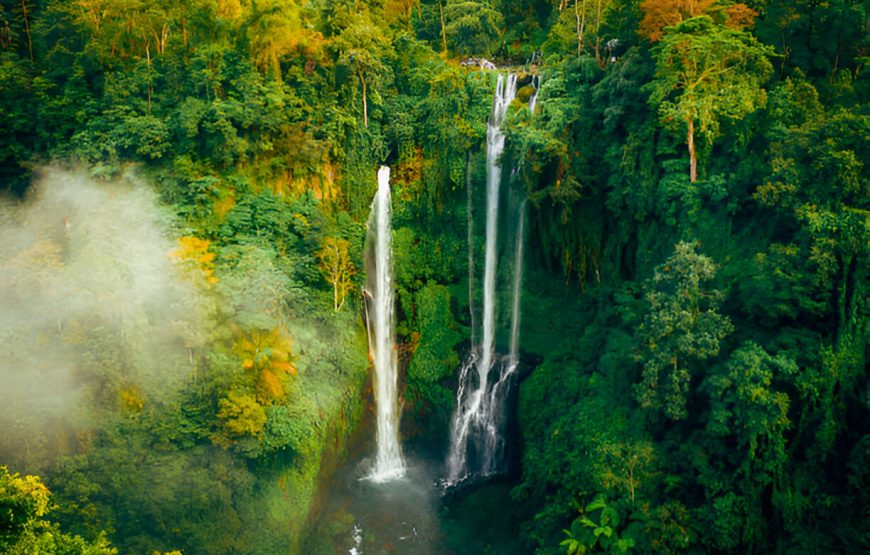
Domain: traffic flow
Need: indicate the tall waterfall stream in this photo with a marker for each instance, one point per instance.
(381, 321)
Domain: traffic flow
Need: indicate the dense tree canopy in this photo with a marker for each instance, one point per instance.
(693, 342)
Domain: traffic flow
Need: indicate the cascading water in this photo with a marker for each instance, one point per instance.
(380, 310)
(536, 81)
(357, 535)
(504, 94)
(479, 417)
(518, 284)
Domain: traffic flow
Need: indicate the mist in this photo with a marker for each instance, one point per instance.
(96, 317)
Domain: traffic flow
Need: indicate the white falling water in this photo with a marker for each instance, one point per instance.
(478, 417)
(518, 285)
(536, 81)
(380, 307)
(357, 536)
(505, 92)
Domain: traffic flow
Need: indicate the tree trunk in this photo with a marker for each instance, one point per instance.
(276, 66)
(27, 28)
(598, 59)
(693, 161)
(148, 57)
(365, 102)
(443, 32)
(581, 24)
(161, 39)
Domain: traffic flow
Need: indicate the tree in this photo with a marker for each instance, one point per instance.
(194, 256)
(588, 15)
(268, 358)
(337, 267)
(276, 29)
(472, 27)
(745, 405)
(360, 46)
(660, 14)
(682, 324)
(604, 536)
(241, 415)
(706, 72)
(624, 465)
(399, 12)
(24, 501)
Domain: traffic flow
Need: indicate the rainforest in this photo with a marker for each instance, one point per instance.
(434, 277)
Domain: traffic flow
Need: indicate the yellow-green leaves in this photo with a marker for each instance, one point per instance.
(337, 268)
(707, 73)
(241, 415)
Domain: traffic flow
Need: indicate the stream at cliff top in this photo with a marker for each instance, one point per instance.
(408, 516)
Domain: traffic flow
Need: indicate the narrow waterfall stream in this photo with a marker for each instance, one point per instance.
(477, 428)
(505, 92)
(380, 306)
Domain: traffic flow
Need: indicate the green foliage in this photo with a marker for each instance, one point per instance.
(682, 325)
(17, 112)
(597, 530)
(246, 115)
(289, 428)
(705, 73)
(743, 404)
(242, 415)
(472, 27)
(434, 357)
(24, 501)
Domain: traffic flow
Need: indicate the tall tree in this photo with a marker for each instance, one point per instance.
(276, 29)
(659, 14)
(471, 27)
(360, 47)
(706, 72)
(682, 324)
(337, 267)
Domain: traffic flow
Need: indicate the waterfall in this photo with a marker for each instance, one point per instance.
(380, 311)
(494, 442)
(479, 418)
(518, 284)
(505, 92)
(536, 82)
(357, 535)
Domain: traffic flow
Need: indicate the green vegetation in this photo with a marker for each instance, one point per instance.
(697, 176)
(23, 503)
